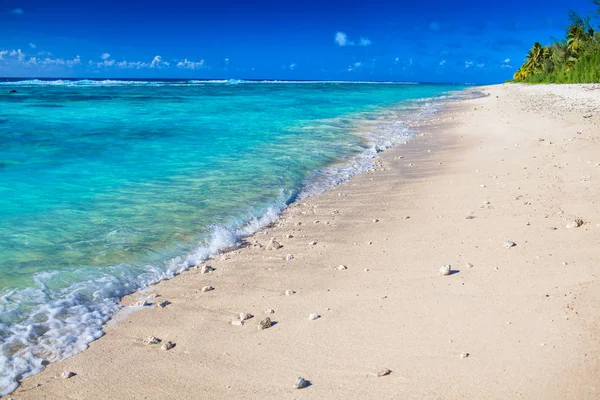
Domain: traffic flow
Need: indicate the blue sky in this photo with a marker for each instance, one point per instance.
(434, 41)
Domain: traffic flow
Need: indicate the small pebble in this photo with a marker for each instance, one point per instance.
(289, 292)
(167, 345)
(269, 311)
(312, 243)
(289, 257)
(445, 270)
(464, 355)
(469, 265)
(313, 316)
(342, 267)
(265, 324)
(245, 316)
(163, 304)
(207, 288)
(300, 383)
(141, 303)
(406, 217)
(206, 269)
(237, 322)
(274, 245)
(574, 224)
(508, 244)
(67, 374)
(384, 372)
(375, 220)
(150, 340)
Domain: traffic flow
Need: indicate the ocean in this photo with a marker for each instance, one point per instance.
(108, 186)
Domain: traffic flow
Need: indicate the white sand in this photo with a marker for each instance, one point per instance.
(527, 316)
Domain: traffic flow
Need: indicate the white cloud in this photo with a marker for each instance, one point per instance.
(396, 60)
(292, 66)
(53, 62)
(357, 64)
(468, 64)
(227, 61)
(434, 26)
(481, 65)
(32, 45)
(132, 64)
(157, 62)
(18, 11)
(442, 62)
(190, 64)
(105, 56)
(364, 42)
(342, 40)
(2, 54)
(506, 61)
(508, 66)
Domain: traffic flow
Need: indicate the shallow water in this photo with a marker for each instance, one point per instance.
(109, 186)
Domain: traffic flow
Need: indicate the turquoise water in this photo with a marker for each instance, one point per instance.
(109, 186)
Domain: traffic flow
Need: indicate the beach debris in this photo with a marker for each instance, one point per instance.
(384, 372)
(464, 355)
(289, 292)
(237, 322)
(313, 316)
(375, 220)
(289, 236)
(508, 244)
(167, 345)
(335, 212)
(67, 374)
(470, 217)
(574, 224)
(289, 257)
(342, 268)
(207, 288)
(312, 243)
(163, 304)
(274, 245)
(141, 303)
(486, 202)
(269, 311)
(469, 265)
(150, 340)
(244, 316)
(206, 269)
(265, 324)
(407, 217)
(300, 383)
(445, 270)
(481, 186)
(366, 269)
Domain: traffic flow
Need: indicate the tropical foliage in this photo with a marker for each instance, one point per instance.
(575, 59)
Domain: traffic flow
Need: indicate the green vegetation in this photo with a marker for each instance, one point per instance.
(575, 59)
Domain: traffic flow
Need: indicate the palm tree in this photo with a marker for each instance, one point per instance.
(576, 40)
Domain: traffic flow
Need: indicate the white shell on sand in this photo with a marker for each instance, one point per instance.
(300, 383)
(445, 270)
(207, 288)
(464, 355)
(274, 245)
(206, 269)
(67, 374)
(244, 316)
(269, 311)
(289, 292)
(469, 265)
(313, 316)
(151, 340)
(384, 372)
(508, 244)
(342, 267)
(167, 345)
(574, 224)
(237, 322)
(265, 324)
(289, 257)
(312, 243)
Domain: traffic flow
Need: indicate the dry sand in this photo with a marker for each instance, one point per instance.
(517, 165)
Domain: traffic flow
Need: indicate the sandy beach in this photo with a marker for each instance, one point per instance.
(503, 188)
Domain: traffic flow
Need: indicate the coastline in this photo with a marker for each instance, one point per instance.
(400, 314)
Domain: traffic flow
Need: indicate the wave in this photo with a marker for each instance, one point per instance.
(39, 325)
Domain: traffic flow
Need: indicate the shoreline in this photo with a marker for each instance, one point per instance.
(200, 323)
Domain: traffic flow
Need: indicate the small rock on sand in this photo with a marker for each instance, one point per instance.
(206, 269)
(207, 288)
(469, 265)
(312, 243)
(574, 224)
(313, 316)
(244, 316)
(274, 245)
(375, 220)
(167, 345)
(150, 340)
(265, 324)
(237, 322)
(384, 372)
(300, 383)
(289, 257)
(67, 374)
(141, 303)
(464, 355)
(269, 311)
(508, 244)
(406, 217)
(342, 268)
(445, 270)
(163, 304)
(289, 292)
